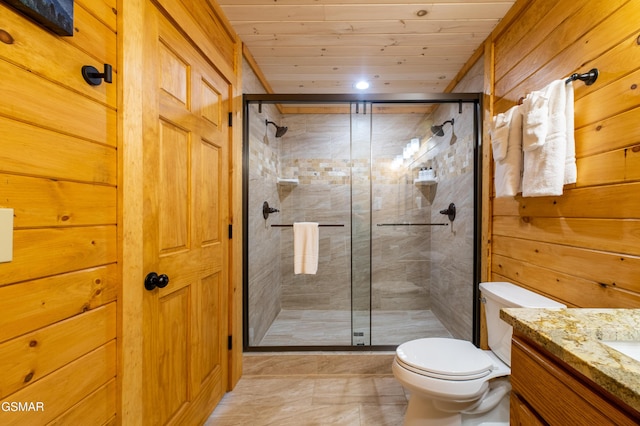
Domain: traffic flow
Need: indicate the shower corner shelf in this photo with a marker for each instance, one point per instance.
(425, 182)
(288, 181)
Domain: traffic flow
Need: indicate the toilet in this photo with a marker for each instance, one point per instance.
(451, 381)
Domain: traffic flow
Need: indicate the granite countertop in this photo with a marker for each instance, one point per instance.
(575, 336)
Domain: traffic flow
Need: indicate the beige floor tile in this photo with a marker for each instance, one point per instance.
(275, 395)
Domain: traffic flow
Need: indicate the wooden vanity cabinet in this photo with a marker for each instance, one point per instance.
(547, 391)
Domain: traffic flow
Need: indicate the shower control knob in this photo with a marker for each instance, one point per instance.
(153, 280)
(450, 212)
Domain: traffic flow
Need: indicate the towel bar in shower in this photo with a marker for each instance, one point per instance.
(412, 224)
(291, 225)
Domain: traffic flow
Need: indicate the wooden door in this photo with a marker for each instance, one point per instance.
(186, 149)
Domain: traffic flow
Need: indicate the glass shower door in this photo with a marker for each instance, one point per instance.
(391, 268)
(361, 224)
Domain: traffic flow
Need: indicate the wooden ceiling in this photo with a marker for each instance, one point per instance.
(326, 46)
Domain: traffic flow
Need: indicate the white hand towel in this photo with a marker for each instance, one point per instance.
(544, 159)
(506, 140)
(500, 135)
(305, 247)
(535, 120)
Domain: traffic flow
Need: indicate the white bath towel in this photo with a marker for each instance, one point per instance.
(545, 130)
(506, 142)
(305, 247)
(535, 110)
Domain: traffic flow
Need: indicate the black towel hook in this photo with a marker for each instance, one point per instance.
(94, 78)
(589, 77)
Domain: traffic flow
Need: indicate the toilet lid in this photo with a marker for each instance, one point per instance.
(450, 359)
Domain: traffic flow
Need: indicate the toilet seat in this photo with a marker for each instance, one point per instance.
(445, 358)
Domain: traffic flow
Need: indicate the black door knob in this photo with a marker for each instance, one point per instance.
(153, 280)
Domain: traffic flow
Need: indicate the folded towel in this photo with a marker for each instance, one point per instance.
(506, 140)
(534, 126)
(305, 247)
(500, 135)
(544, 158)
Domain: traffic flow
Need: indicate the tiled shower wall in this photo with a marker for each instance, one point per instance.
(316, 150)
(453, 247)
(264, 244)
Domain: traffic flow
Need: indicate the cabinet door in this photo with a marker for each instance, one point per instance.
(521, 414)
(561, 396)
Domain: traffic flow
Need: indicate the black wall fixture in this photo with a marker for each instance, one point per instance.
(266, 210)
(450, 212)
(588, 77)
(92, 76)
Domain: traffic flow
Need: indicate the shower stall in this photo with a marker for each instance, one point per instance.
(393, 184)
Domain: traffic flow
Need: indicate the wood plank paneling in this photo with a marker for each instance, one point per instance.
(48, 251)
(34, 355)
(581, 247)
(602, 202)
(27, 149)
(28, 51)
(104, 10)
(580, 262)
(602, 169)
(565, 288)
(96, 409)
(80, 117)
(59, 172)
(523, 37)
(46, 202)
(64, 388)
(567, 26)
(55, 298)
(620, 236)
(619, 131)
(619, 96)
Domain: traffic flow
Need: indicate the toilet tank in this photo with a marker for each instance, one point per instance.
(498, 295)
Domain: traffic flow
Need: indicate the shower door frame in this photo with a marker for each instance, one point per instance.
(417, 98)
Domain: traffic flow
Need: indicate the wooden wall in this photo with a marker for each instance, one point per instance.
(58, 171)
(581, 248)
(70, 167)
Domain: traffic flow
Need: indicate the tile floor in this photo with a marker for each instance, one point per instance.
(328, 327)
(350, 389)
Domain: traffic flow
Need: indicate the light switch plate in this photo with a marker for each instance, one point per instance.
(6, 235)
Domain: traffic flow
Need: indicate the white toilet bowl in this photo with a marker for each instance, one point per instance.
(452, 382)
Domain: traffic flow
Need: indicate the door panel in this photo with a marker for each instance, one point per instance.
(173, 214)
(186, 172)
(173, 363)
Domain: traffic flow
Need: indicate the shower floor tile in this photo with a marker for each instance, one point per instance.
(333, 328)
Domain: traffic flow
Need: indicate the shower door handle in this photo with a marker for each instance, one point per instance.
(153, 280)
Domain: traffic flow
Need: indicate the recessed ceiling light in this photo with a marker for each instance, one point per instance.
(362, 85)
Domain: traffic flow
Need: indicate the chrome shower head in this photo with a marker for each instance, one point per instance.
(280, 131)
(437, 129)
